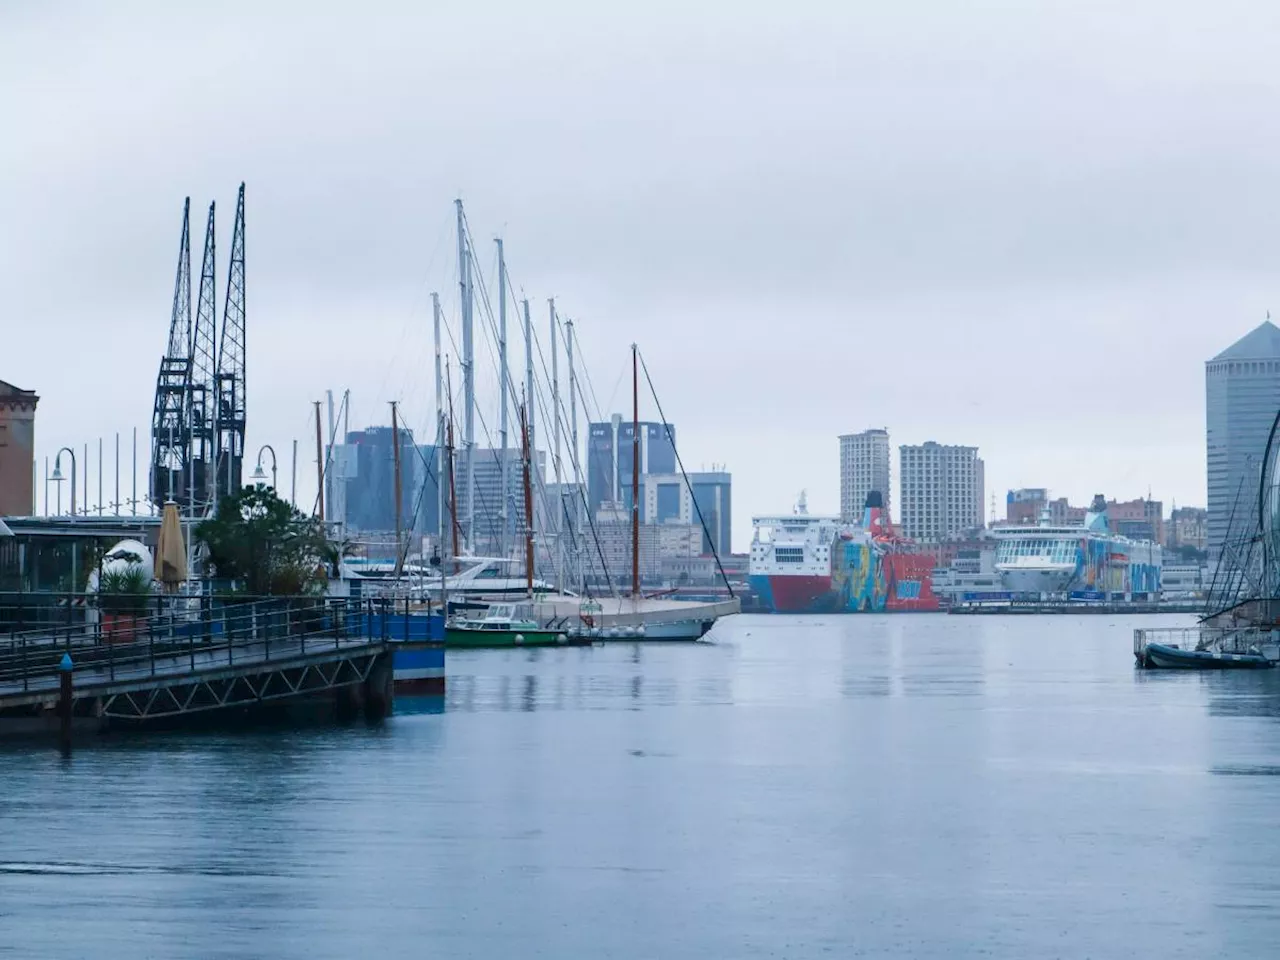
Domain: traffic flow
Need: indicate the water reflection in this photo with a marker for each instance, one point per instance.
(891, 786)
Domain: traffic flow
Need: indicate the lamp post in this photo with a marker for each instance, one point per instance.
(259, 474)
(57, 475)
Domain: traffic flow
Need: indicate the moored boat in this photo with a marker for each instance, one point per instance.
(1162, 656)
(507, 625)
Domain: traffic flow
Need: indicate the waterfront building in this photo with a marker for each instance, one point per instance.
(363, 471)
(17, 450)
(610, 449)
(1025, 504)
(1242, 395)
(1187, 528)
(607, 552)
(668, 499)
(941, 491)
(864, 466)
(1137, 519)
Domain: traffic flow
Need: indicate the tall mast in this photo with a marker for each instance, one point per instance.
(573, 449)
(635, 475)
(528, 506)
(329, 497)
(502, 377)
(453, 487)
(440, 514)
(398, 488)
(319, 466)
(468, 373)
(439, 379)
(557, 521)
(529, 405)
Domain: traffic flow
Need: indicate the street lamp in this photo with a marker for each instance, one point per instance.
(259, 474)
(57, 475)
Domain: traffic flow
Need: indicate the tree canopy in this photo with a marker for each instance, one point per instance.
(265, 545)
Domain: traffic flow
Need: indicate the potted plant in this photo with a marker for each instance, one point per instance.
(124, 595)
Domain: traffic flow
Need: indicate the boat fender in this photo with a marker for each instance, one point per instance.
(519, 639)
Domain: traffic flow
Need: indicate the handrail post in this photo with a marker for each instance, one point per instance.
(24, 665)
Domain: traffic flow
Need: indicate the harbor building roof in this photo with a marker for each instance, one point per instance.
(1261, 343)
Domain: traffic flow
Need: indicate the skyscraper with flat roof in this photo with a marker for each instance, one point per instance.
(864, 466)
(942, 489)
(1242, 395)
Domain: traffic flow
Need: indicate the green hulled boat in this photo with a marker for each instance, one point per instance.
(504, 625)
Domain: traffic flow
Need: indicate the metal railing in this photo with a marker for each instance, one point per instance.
(1237, 640)
(175, 635)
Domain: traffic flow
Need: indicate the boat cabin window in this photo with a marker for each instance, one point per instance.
(488, 573)
(500, 611)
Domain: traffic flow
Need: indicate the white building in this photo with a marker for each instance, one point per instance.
(607, 549)
(941, 490)
(864, 466)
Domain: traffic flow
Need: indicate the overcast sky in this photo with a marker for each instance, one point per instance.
(1018, 225)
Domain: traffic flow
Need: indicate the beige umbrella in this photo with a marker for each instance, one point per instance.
(171, 552)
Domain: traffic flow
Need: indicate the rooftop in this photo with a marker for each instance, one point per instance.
(1261, 343)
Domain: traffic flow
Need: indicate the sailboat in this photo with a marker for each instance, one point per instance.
(513, 624)
(634, 617)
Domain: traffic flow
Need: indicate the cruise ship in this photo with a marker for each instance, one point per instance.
(1080, 562)
(801, 563)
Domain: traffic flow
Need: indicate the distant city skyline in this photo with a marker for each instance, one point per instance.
(1036, 258)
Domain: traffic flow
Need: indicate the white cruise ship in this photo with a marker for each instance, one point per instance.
(1083, 561)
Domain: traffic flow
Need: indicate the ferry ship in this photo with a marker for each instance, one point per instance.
(810, 564)
(1078, 562)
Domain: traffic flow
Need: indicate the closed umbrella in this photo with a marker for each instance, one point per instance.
(171, 552)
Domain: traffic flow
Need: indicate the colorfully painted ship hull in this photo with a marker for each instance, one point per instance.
(865, 582)
(806, 564)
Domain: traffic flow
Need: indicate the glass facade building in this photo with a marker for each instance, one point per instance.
(1242, 396)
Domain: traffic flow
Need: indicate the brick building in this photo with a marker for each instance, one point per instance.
(17, 450)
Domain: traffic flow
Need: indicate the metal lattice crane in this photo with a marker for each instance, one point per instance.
(170, 431)
(231, 366)
(201, 482)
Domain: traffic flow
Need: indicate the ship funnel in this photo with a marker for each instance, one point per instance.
(875, 499)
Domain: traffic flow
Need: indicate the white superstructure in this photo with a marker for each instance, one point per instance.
(797, 545)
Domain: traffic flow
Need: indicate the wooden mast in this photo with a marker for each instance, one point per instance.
(528, 504)
(635, 476)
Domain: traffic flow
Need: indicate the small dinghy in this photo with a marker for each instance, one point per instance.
(1163, 656)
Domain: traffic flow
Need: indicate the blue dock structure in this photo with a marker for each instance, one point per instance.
(190, 657)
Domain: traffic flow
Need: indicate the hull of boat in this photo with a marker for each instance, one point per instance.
(464, 637)
(418, 667)
(1159, 656)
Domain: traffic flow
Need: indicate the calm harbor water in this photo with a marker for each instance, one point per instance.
(914, 786)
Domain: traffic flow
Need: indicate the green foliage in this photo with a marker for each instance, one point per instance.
(126, 590)
(265, 545)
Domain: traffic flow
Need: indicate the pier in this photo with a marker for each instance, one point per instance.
(194, 656)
